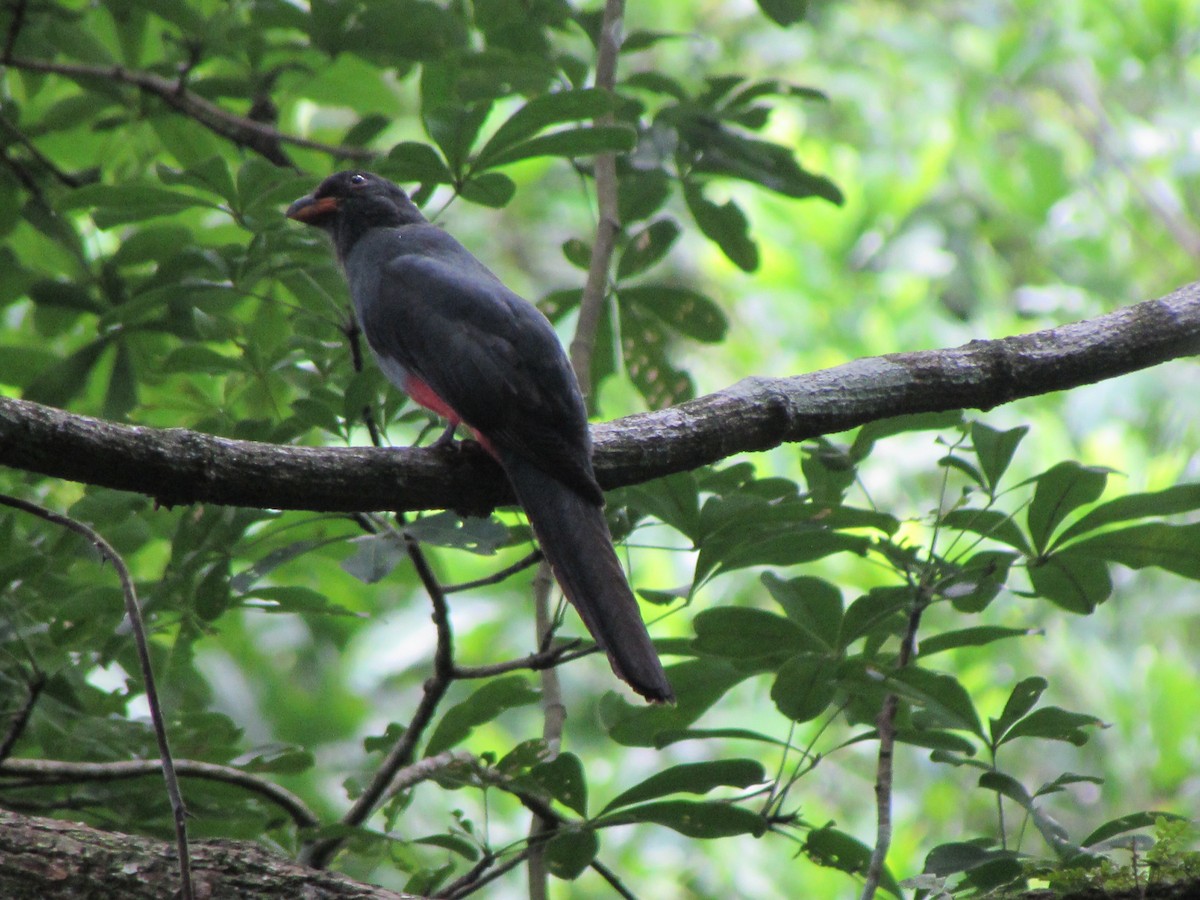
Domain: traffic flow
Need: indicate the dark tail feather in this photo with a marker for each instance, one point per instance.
(575, 540)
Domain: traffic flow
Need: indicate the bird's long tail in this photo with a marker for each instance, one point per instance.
(574, 538)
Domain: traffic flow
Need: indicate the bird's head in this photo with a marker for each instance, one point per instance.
(349, 203)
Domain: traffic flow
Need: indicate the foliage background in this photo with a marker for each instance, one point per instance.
(1006, 166)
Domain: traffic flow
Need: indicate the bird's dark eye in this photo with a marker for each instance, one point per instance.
(358, 179)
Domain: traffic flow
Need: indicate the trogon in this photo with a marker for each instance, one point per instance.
(446, 331)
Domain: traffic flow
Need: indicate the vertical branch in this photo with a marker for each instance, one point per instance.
(595, 291)
(134, 613)
(886, 724)
(609, 225)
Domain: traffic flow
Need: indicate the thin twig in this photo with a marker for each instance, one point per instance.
(23, 139)
(137, 626)
(554, 716)
(463, 888)
(17, 726)
(540, 661)
(14, 28)
(40, 772)
(259, 136)
(505, 573)
(319, 853)
(613, 881)
(424, 769)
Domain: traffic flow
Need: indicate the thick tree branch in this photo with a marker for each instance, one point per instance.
(49, 858)
(177, 466)
(258, 136)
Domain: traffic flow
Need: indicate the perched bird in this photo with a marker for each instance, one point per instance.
(447, 332)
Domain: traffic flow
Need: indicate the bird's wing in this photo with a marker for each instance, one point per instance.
(487, 353)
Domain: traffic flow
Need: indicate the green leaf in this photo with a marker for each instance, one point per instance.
(415, 161)
(212, 176)
(295, 599)
(979, 636)
(797, 544)
(873, 432)
(1125, 824)
(694, 819)
(118, 204)
(995, 450)
(940, 695)
(725, 225)
(644, 344)
(835, 849)
(1055, 724)
(122, 393)
(673, 500)
(813, 605)
(805, 686)
(988, 523)
(784, 12)
(376, 556)
(716, 150)
(454, 129)
(488, 702)
(1061, 490)
(978, 581)
(571, 851)
(578, 253)
(540, 113)
(58, 384)
(692, 778)
(1023, 697)
(1175, 548)
(640, 194)
(1174, 500)
(570, 142)
(647, 247)
(878, 609)
(744, 633)
(475, 534)
(698, 684)
(492, 189)
(563, 779)
(283, 760)
(1076, 581)
(665, 738)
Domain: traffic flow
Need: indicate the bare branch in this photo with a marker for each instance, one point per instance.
(133, 612)
(543, 659)
(177, 466)
(520, 565)
(47, 771)
(319, 853)
(17, 726)
(258, 136)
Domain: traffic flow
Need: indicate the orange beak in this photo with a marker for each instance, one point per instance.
(311, 210)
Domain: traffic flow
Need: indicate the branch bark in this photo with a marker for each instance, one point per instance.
(51, 858)
(176, 466)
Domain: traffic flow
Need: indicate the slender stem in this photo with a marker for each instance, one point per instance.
(886, 724)
(505, 573)
(17, 726)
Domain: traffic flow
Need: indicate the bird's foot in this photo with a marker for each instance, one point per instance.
(446, 440)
